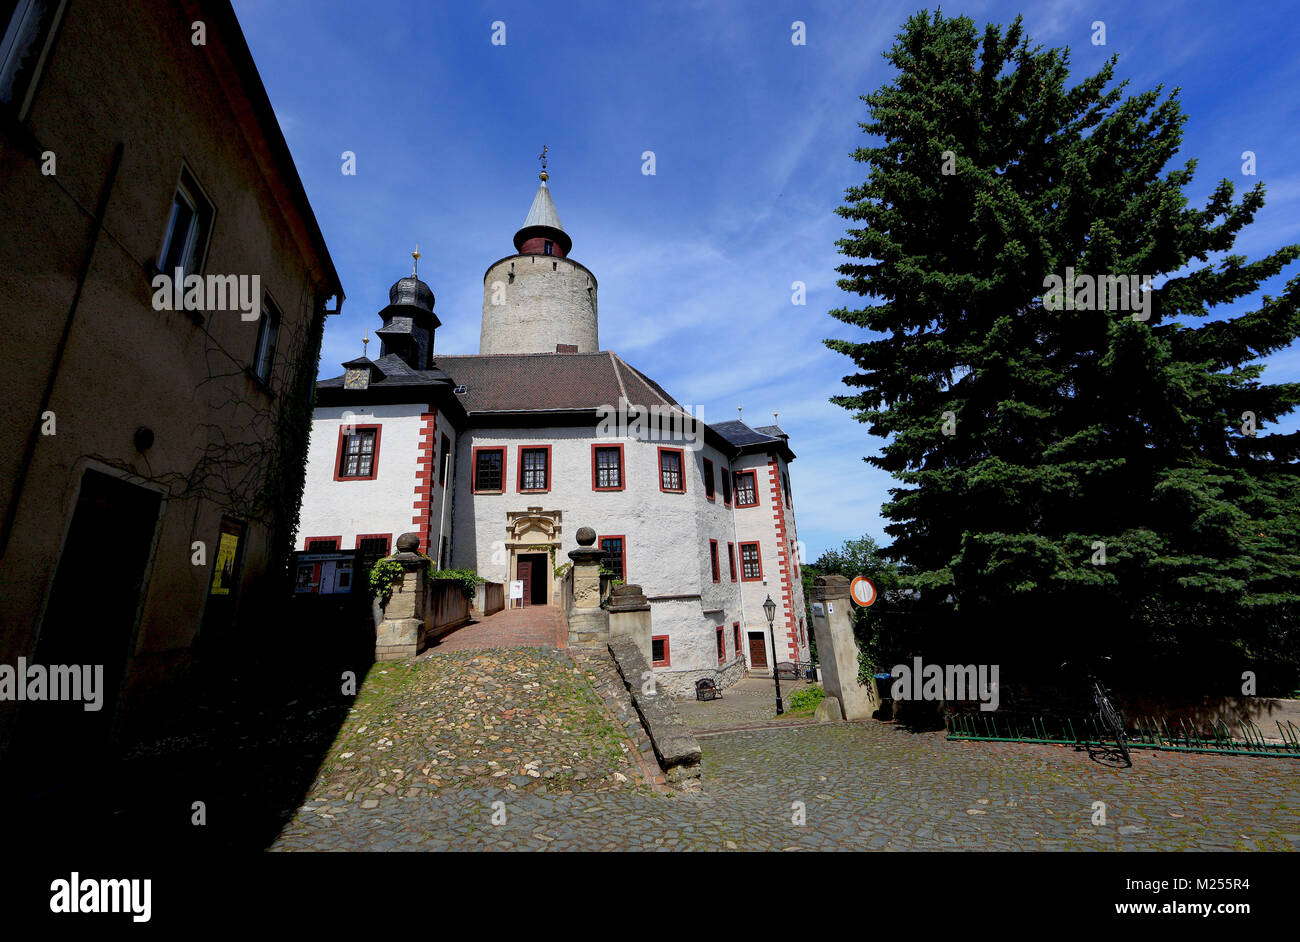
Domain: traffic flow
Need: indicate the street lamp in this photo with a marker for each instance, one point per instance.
(769, 609)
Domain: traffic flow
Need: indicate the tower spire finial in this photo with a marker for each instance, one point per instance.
(543, 176)
(740, 412)
(415, 266)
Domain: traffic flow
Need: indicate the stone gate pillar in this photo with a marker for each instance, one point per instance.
(629, 617)
(401, 631)
(837, 649)
(588, 622)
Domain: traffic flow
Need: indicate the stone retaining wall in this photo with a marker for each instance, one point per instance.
(675, 746)
(681, 684)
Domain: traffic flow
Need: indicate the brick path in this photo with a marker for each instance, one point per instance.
(535, 626)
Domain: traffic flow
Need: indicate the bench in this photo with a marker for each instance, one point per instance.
(706, 689)
(794, 670)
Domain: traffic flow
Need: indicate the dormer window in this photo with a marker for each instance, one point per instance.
(547, 247)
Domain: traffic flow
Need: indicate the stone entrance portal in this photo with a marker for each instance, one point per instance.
(533, 540)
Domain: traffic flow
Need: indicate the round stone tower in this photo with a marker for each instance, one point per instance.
(539, 300)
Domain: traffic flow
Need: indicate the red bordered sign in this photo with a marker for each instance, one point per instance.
(863, 591)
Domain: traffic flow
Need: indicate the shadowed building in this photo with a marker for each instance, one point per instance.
(150, 452)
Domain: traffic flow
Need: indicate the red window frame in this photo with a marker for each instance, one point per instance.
(726, 486)
(681, 469)
(600, 541)
(735, 634)
(731, 559)
(622, 468)
(386, 537)
(473, 471)
(667, 659)
(716, 568)
(722, 646)
(336, 540)
(519, 460)
(710, 484)
(758, 556)
(753, 477)
(442, 461)
(344, 432)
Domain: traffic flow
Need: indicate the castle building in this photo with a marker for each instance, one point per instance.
(497, 459)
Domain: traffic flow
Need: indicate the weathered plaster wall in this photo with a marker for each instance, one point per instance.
(547, 300)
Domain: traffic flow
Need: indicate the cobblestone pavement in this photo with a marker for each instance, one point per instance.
(533, 626)
(750, 701)
(553, 771)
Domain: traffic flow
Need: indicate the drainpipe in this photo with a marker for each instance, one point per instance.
(33, 437)
(442, 515)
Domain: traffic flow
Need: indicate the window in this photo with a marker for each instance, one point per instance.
(731, 559)
(722, 645)
(489, 470)
(746, 489)
(548, 247)
(751, 563)
(785, 481)
(188, 225)
(708, 479)
(322, 544)
(713, 560)
(659, 651)
(442, 462)
(671, 476)
(268, 331)
(615, 548)
(735, 635)
(26, 34)
(801, 641)
(535, 468)
(358, 455)
(607, 467)
(726, 486)
(372, 548)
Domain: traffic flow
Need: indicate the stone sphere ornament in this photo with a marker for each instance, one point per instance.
(408, 543)
(586, 536)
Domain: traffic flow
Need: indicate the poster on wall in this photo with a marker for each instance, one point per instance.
(224, 570)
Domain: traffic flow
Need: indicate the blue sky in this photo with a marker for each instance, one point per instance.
(752, 136)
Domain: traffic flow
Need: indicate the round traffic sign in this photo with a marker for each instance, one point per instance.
(863, 591)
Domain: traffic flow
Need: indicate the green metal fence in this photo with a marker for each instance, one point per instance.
(1148, 733)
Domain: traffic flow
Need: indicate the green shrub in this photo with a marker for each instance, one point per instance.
(469, 580)
(806, 700)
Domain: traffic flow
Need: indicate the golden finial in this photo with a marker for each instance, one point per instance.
(543, 176)
(740, 412)
(774, 418)
(415, 255)
(365, 340)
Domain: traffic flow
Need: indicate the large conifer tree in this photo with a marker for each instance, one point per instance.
(1028, 441)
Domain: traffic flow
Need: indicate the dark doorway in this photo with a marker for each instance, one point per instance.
(532, 571)
(223, 586)
(90, 618)
(757, 650)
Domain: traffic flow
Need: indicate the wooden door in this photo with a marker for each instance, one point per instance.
(757, 651)
(526, 577)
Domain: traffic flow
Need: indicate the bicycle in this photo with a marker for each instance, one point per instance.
(1108, 714)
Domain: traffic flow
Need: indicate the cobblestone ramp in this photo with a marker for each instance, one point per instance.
(506, 722)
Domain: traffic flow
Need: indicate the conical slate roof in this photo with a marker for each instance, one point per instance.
(542, 212)
(543, 221)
